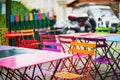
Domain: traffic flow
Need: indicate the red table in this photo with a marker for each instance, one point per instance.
(17, 36)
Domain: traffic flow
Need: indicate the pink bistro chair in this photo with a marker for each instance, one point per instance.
(55, 46)
(50, 46)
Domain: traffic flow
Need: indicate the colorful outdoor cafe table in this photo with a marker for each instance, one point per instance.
(15, 58)
(17, 36)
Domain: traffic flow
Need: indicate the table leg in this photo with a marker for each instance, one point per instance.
(56, 69)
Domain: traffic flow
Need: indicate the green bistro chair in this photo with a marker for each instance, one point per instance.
(118, 30)
(117, 44)
(102, 30)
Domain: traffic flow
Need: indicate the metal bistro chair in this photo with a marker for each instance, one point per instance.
(102, 30)
(30, 38)
(65, 41)
(28, 44)
(46, 38)
(117, 44)
(118, 30)
(84, 49)
(56, 47)
(28, 31)
(100, 57)
(66, 44)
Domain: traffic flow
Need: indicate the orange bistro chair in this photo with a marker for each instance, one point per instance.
(66, 45)
(28, 31)
(83, 49)
(29, 38)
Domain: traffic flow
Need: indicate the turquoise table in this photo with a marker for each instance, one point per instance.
(7, 51)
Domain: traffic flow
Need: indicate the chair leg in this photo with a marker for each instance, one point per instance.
(97, 68)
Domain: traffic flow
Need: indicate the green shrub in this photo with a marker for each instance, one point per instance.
(18, 8)
(2, 20)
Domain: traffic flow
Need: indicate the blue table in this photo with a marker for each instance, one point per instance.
(115, 38)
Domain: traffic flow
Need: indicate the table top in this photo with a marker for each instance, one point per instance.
(8, 35)
(30, 57)
(94, 35)
(5, 47)
(113, 38)
(7, 51)
(76, 34)
(89, 35)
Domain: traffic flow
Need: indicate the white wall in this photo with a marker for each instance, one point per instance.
(48, 6)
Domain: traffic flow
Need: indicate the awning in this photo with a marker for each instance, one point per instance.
(76, 2)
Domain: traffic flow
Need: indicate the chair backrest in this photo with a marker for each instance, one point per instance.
(84, 49)
(101, 45)
(100, 42)
(47, 38)
(29, 44)
(66, 41)
(43, 31)
(102, 30)
(52, 46)
(28, 31)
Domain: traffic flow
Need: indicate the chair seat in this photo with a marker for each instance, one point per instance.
(103, 59)
(68, 75)
(27, 43)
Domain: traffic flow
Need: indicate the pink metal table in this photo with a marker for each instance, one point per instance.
(30, 57)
